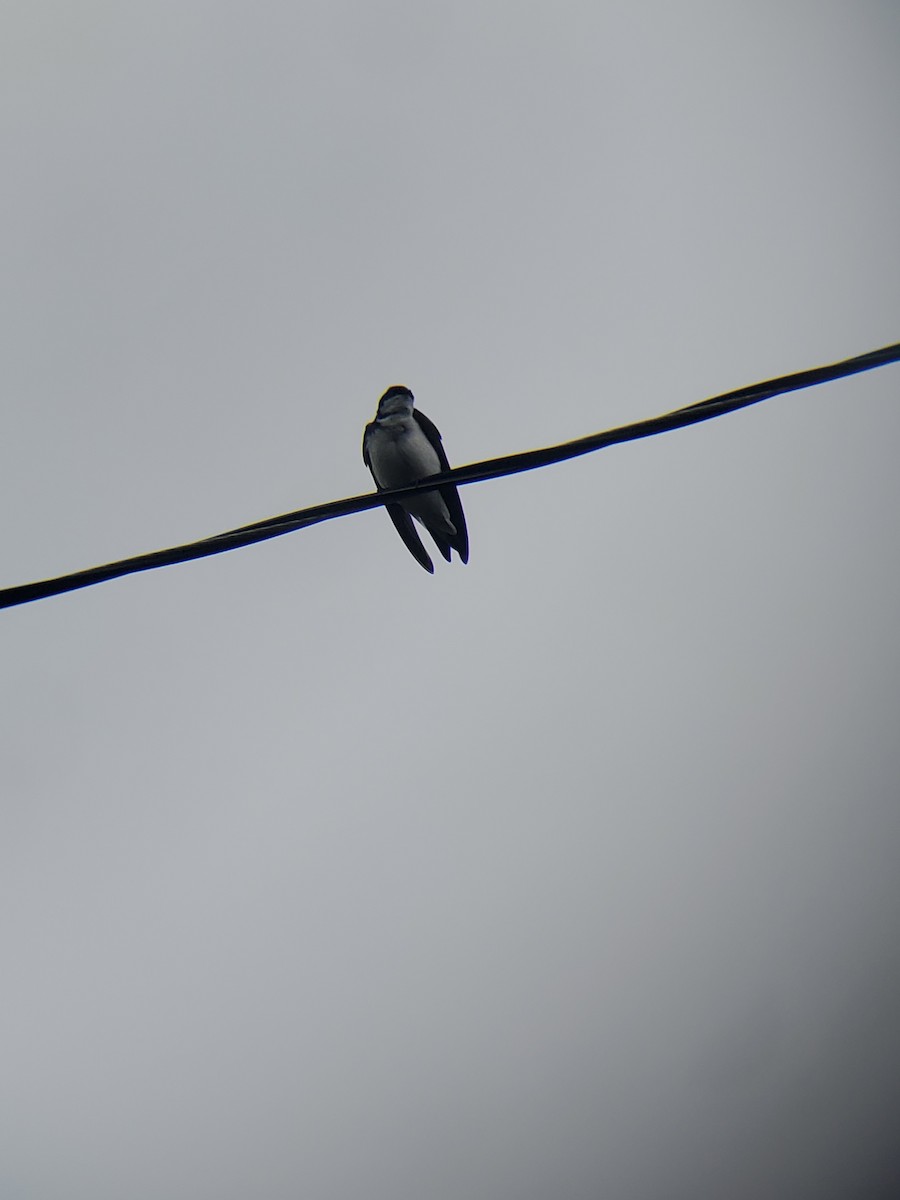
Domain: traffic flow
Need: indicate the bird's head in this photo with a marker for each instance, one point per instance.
(396, 401)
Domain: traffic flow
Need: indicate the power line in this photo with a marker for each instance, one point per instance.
(494, 468)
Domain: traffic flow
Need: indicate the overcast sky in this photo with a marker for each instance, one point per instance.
(569, 873)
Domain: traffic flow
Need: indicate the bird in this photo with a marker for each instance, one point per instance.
(401, 446)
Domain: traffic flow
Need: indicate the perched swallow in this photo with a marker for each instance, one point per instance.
(401, 446)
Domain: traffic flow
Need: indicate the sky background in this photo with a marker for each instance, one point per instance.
(569, 873)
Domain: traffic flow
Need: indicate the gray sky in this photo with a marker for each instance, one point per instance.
(568, 873)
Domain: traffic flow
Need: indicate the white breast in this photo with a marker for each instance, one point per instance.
(401, 453)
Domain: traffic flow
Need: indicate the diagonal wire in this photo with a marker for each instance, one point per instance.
(509, 464)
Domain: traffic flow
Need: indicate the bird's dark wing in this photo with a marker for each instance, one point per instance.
(449, 494)
(366, 446)
(403, 523)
